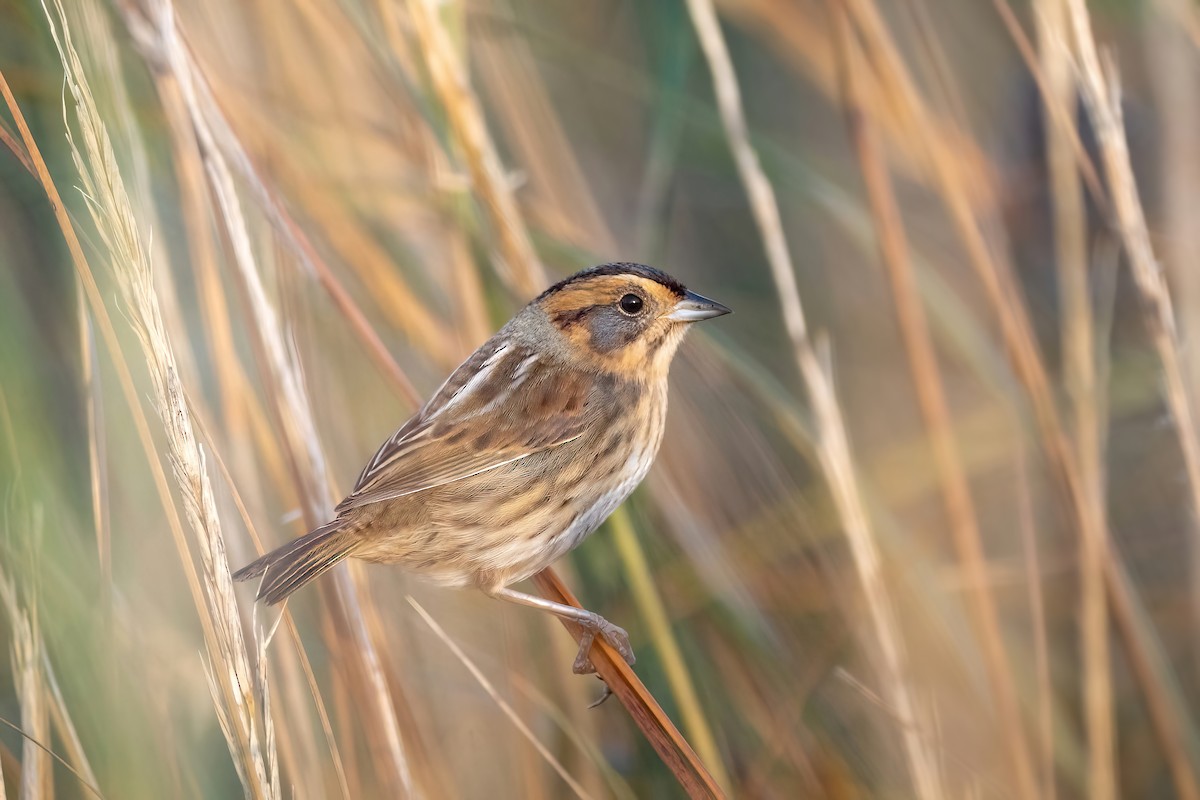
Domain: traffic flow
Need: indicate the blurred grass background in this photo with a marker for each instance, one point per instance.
(993, 588)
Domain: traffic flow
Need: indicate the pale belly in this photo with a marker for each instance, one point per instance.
(501, 527)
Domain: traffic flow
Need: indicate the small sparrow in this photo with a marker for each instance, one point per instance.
(524, 450)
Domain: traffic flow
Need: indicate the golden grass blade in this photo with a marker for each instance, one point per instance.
(375, 268)
(651, 608)
(1079, 356)
(561, 202)
(414, 319)
(490, 182)
(97, 457)
(41, 699)
(76, 760)
(657, 727)
(10, 141)
(1102, 97)
(5, 754)
(617, 784)
(1172, 58)
(1062, 113)
(927, 381)
(189, 172)
(293, 411)
(1037, 613)
(30, 693)
(833, 445)
(517, 722)
(1016, 331)
(125, 379)
(29, 740)
(310, 677)
(113, 216)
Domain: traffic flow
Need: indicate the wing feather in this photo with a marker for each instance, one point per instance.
(502, 405)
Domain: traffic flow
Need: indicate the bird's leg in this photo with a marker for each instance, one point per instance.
(592, 623)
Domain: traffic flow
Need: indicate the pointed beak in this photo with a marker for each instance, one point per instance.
(694, 307)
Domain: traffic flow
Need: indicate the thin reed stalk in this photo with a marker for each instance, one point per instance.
(1037, 615)
(491, 184)
(36, 775)
(1149, 666)
(1079, 359)
(927, 381)
(512, 715)
(650, 606)
(97, 457)
(462, 107)
(294, 415)
(832, 440)
(305, 663)
(125, 379)
(1174, 63)
(112, 213)
(647, 714)
(1061, 111)
(1101, 92)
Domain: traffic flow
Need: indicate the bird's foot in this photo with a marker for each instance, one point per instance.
(595, 625)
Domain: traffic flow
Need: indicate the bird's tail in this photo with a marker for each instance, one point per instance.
(287, 568)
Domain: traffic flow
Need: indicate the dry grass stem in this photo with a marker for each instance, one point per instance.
(832, 442)
(562, 203)
(31, 695)
(97, 460)
(114, 219)
(1173, 62)
(650, 605)
(982, 512)
(1037, 613)
(1079, 358)
(487, 686)
(305, 663)
(1022, 350)
(1102, 96)
(657, 727)
(488, 177)
(76, 761)
(125, 381)
(293, 411)
(922, 358)
(1061, 111)
(40, 698)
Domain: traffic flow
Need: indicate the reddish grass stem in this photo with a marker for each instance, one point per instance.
(647, 714)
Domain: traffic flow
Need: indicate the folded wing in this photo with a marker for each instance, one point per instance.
(504, 404)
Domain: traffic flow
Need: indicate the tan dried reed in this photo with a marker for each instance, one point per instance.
(293, 411)
(1079, 357)
(832, 440)
(236, 690)
(927, 381)
(491, 184)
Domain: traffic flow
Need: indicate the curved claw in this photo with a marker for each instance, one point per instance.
(616, 637)
(604, 695)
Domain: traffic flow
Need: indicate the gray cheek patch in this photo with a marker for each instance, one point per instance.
(611, 330)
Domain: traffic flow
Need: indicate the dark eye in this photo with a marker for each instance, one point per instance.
(631, 304)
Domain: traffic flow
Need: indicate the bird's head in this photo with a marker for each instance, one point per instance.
(626, 318)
